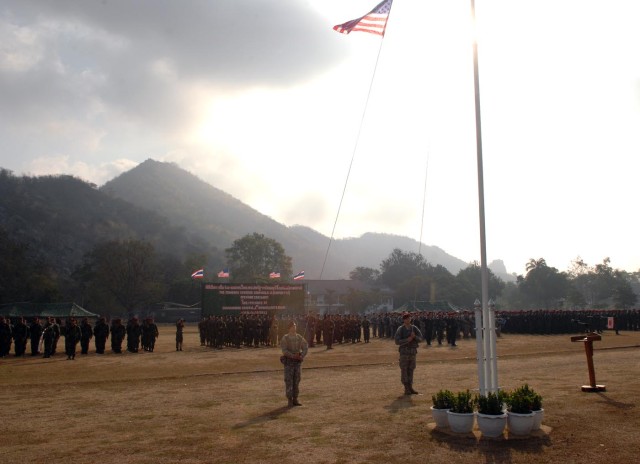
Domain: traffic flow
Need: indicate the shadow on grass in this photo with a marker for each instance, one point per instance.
(262, 418)
(616, 404)
(494, 449)
(402, 402)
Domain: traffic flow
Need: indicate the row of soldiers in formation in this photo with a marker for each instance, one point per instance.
(262, 330)
(558, 321)
(255, 330)
(436, 326)
(43, 336)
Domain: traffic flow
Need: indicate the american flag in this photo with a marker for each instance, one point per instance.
(299, 276)
(374, 22)
(224, 273)
(199, 274)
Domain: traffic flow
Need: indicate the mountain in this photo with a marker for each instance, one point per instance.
(62, 218)
(219, 219)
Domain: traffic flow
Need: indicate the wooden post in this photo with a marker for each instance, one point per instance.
(588, 348)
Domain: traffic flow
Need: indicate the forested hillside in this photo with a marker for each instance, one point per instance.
(61, 218)
(53, 226)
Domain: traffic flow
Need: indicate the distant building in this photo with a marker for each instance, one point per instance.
(335, 296)
(171, 312)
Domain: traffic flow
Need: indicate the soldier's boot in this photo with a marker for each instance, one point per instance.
(296, 402)
(407, 389)
(412, 391)
(291, 402)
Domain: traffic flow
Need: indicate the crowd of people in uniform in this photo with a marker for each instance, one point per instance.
(260, 330)
(43, 336)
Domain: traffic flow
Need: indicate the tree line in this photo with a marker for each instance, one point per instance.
(412, 279)
(119, 276)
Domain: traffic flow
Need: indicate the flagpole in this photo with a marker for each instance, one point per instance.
(488, 378)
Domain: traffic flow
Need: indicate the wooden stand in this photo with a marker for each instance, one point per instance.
(588, 348)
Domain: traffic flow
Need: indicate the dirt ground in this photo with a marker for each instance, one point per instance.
(206, 406)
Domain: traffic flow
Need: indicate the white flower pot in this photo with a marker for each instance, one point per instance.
(460, 423)
(491, 425)
(537, 419)
(520, 424)
(440, 417)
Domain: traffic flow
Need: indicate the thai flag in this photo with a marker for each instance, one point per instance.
(199, 274)
(299, 276)
(274, 275)
(224, 273)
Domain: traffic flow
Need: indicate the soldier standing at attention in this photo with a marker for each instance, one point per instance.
(5, 337)
(117, 335)
(48, 336)
(294, 349)
(327, 331)
(407, 337)
(20, 336)
(179, 336)
(72, 336)
(55, 327)
(366, 329)
(35, 332)
(134, 332)
(101, 333)
(87, 335)
(152, 334)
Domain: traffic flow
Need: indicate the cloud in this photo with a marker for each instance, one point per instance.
(130, 74)
(54, 165)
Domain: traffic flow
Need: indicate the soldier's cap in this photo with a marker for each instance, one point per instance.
(405, 315)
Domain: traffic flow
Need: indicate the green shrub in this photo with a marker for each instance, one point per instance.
(443, 399)
(491, 403)
(462, 403)
(523, 400)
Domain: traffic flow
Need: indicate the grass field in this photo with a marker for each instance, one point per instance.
(228, 406)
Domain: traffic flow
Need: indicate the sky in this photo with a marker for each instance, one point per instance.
(262, 99)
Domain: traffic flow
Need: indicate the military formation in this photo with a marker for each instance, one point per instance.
(40, 336)
(43, 336)
(253, 331)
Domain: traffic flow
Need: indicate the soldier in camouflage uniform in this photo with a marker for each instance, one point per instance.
(101, 333)
(35, 332)
(117, 335)
(179, 334)
(294, 349)
(87, 335)
(72, 335)
(20, 334)
(407, 337)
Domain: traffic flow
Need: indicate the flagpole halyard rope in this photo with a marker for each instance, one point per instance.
(353, 155)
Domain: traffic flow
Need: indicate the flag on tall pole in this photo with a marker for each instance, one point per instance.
(299, 276)
(374, 22)
(224, 273)
(199, 274)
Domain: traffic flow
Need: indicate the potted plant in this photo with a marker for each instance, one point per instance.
(442, 402)
(519, 411)
(461, 415)
(492, 418)
(536, 407)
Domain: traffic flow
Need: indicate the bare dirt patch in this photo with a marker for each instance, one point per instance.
(228, 406)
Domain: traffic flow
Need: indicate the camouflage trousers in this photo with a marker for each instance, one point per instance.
(292, 371)
(407, 366)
